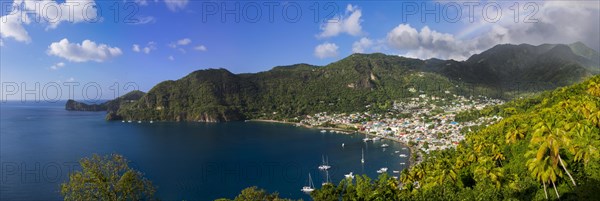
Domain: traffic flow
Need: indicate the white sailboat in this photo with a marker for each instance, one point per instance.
(325, 165)
(310, 187)
(327, 182)
(349, 175)
(362, 159)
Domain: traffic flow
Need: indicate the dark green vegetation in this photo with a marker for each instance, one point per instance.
(107, 178)
(110, 106)
(546, 147)
(359, 80)
(254, 194)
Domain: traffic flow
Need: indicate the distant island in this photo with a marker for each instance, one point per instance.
(504, 72)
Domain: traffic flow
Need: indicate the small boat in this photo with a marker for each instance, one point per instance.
(139, 122)
(323, 131)
(403, 148)
(367, 139)
(396, 171)
(376, 138)
(349, 175)
(310, 187)
(129, 121)
(385, 145)
(362, 159)
(397, 152)
(402, 155)
(382, 170)
(342, 145)
(331, 131)
(402, 163)
(395, 177)
(151, 121)
(324, 166)
(123, 121)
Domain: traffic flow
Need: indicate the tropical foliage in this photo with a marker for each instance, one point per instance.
(547, 147)
(107, 178)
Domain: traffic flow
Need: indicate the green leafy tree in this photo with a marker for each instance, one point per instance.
(107, 178)
(254, 194)
(549, 138)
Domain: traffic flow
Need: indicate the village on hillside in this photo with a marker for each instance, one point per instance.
(424, 123)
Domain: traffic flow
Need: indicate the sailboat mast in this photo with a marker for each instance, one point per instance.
(362, 159)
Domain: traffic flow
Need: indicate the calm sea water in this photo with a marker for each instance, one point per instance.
(40, 143)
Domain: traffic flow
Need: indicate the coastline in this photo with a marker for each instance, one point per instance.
(410, 148)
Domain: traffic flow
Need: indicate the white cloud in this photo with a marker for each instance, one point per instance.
(11, 26)
(326, 50)
(559, 22)
(71, 79)
(171, 58)
(141, 2)
(176, 5)
(145, 20)
(362, 45)
(86, 51)
(24, 11)
(201, 48)
(73, 11)
(150, 46)
(136, 48)
(57, 66)
(349, 23)
(181, 42)
(184, 41)
(554, 25)
(427, 43)
(1, 42)
(403, 37)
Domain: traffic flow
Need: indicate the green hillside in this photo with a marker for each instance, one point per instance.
(359, 80)
(546, 149)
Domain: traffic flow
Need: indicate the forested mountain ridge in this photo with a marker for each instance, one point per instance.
(354, 82)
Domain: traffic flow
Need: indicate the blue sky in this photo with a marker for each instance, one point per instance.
(175, 37)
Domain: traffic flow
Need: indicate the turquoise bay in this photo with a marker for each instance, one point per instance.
(41, 142)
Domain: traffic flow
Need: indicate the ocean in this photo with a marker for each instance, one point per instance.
(41, 143)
